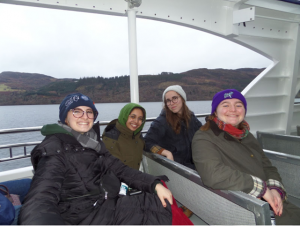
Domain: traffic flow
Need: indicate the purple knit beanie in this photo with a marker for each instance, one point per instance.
(227, 94)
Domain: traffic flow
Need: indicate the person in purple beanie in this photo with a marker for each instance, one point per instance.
(228, 157)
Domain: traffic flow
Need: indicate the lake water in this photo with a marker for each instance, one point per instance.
(20, 116)
(38, 115)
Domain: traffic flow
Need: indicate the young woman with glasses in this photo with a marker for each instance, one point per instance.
(122, 136)
(77, 180)
(171, 133)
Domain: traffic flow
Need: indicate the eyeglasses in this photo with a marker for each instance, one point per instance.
(134, 117)
(174, 100)
(78, 113)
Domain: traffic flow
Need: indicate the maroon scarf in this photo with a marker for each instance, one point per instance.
(233, 131)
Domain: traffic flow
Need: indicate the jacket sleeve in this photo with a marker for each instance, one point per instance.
(132, 177)
(214, 173)
(112, 146)
(153, 137)
(41, 203)
(274, 180)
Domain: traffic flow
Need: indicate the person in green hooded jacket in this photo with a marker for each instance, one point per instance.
(123, 138)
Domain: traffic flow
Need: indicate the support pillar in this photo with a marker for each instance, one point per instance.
(133, 64)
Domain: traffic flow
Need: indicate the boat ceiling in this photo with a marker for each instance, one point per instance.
(289, 6)
(292, 1)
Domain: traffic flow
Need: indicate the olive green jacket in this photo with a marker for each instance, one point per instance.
(123, 144)
(224, 162)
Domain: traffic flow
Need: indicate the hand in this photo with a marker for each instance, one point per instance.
(274, 199)
(167, 154)
(278, 200)
(164, 193)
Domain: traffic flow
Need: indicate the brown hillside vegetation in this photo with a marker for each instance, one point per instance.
(199, 84)
(24, 81)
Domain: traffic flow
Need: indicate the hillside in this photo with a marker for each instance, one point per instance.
(24, 81)
(200, 84)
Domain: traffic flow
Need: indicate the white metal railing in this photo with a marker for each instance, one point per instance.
(38, 128)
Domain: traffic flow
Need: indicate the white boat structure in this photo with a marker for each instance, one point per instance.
(268, 27)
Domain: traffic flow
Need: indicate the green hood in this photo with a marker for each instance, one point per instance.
(53, 129)
(125, 112)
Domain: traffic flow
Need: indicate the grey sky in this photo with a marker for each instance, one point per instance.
(66, 44)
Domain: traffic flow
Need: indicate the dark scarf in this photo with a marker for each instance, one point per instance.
(233, 131)
(87, 140)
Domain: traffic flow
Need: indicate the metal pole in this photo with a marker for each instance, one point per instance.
(134, 80)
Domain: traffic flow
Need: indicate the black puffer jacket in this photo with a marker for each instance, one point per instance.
(65, 173)
(161, 135)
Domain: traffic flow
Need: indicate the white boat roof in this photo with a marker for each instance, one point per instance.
(268, 27)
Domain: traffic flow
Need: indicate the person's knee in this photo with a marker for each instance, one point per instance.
(19, 187)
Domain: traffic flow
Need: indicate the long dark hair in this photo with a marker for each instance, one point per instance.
(174, 119)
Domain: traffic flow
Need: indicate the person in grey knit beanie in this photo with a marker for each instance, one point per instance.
(171, 133)
(177, 88)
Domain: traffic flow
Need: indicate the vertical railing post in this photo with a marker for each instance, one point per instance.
(134, 80)
(10, 152)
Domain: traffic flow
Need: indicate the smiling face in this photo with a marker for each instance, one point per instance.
(135, 119)
(172, 97)
(82, 124)
(231, 111)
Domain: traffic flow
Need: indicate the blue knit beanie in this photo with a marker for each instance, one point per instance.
(227, 94)
(72, 101)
